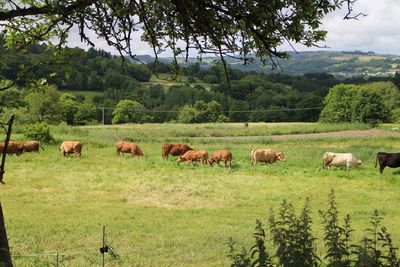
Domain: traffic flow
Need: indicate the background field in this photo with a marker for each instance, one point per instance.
(159, 213)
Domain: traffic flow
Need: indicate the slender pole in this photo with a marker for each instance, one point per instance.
(5, 256)
(104, 244)
(3, 156)
(103, 120)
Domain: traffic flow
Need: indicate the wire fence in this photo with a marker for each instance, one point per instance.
(59, 258)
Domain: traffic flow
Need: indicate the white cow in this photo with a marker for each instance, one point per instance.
(340, 159)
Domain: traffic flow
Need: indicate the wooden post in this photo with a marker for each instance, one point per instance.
(104, 244)
(3, 157)
(5, 256)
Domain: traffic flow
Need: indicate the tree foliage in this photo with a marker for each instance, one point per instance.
(128, 111)
(368, 103)
(245, 27)
(202, 112)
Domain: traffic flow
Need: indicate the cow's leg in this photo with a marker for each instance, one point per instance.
(381, 168)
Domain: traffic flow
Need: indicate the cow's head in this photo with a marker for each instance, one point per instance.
(280, 156)
(179, 159)
(211, 161)
(359, 162)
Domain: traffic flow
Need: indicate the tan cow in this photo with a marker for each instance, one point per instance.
(30, 146)
(266, 155)
(14, 147)
(128, 147)
(339, 159)
(194, 155)
(174, 150)
(219, 155)
(71, 147)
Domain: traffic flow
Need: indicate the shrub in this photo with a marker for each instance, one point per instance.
(294, 241)
(129, 111)
(39, 132)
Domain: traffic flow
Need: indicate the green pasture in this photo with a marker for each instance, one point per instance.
(89, 95)
(166, 80)
(159, 213)
(178, 132)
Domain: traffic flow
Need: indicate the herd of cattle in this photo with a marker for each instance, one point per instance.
(187, 154)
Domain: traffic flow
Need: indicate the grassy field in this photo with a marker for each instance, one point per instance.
(89, 95)
(166, 81)
(159, 213)
(176, 132)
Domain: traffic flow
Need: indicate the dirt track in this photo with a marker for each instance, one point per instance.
(350, 134)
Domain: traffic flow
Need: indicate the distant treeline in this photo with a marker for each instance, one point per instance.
(205, 95)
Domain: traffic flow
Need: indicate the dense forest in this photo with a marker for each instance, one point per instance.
(55, 88)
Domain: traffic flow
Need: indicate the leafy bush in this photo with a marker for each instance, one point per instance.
(129, 111)
(202, 112)
(294, 241)
(39, 132)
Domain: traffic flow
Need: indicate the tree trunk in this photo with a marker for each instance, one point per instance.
(3, 158)
(5, 255)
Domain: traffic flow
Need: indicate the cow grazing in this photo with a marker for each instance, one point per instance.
(268, 156)
(194, 155)
(128, 147)
(14, 147)
(71, 147)
(174, 150)
(30, 146)
(391, 160)
(339, 159)
(219, 155)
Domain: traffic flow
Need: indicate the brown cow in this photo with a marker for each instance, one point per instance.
(14, 147)
(71, 147)
(266, 155)
(128, 147)
(219, 155)
(30, 146)
(194, 155)
(174, 150)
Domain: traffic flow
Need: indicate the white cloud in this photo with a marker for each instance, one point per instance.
(377, 32)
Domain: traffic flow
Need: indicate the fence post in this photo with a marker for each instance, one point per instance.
(104, 243)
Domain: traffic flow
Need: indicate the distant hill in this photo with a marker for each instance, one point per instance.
(345, 63)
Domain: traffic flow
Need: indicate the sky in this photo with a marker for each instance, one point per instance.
(378, 31)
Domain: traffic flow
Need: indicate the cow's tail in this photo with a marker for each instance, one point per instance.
(376, 160)
(41, 148)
